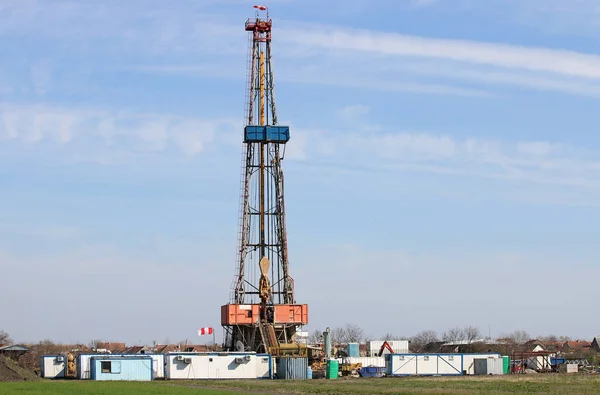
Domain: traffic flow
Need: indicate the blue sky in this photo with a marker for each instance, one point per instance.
(444, 163)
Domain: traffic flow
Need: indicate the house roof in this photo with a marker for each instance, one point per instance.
(14, 347)
(165, 348)
(111, 346)
(577, 345)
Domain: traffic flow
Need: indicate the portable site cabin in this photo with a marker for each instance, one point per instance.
(489, 366)
(111, 368)
(439, 364)
(218, 365)
(53, 366)
(469, 361)
(424, 364)
(84, 367)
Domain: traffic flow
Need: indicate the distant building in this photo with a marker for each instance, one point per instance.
(596, 344)
(14, 350)
(576, 347)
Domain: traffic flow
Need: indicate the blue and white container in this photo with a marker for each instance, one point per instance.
(83, 364)
(108, 368)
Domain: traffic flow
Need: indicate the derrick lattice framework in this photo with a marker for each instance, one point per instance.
(262, 315)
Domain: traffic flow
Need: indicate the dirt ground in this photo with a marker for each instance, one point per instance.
(11, 371)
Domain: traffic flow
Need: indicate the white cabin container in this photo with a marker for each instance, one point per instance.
(53, 366)
(202, 366)
(488, 366)
(424, 364)
(469, 361)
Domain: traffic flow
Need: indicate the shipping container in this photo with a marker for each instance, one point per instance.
(424, 364)
(53, 366)
(111, 368)
(399, 347)
(218, 365)
(469, 361)
(353, 350)
(84, 368)
(488, 366)
(292, 368)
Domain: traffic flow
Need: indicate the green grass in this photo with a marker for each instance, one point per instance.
(105, 388)
(551, 384)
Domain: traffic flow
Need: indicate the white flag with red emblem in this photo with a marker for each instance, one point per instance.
(205, 331)
(260, 7)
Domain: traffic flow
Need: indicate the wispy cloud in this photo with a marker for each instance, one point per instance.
(110, 128)
(557, 69)
(377, 148)
(542, 162)
(334, 55)
(177, 40)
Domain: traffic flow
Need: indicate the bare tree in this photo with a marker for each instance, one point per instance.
(45, 347)
(93, 344)
(548, 338)
(453, 335)
(5, 338)
(517, 337)
(316, 337)
(337, 335)
(424, 337)
(389, 336)
(353, 334)
(471, 333)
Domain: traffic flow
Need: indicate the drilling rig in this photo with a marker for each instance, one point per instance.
(263, 315)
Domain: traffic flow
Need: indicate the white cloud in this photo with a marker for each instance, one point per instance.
(337, 56)
(529, 161)
(129, 131)
(93, 133)
(353, 113)
(562, 62)
(376, 56)
(177, 40)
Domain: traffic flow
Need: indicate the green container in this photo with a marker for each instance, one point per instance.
(506, 364)
(332, 369)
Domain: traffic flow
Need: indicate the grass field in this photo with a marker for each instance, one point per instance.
(531, 384)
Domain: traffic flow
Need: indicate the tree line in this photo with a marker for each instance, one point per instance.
(351, 333)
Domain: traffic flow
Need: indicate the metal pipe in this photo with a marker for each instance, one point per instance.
(327, 341)
(261, 105)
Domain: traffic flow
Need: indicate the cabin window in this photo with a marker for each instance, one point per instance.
(110, 367)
